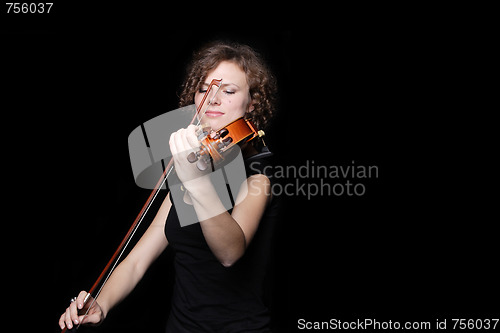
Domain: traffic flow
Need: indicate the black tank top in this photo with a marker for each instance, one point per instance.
(209, 297)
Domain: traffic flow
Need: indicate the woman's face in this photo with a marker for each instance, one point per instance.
(233, 99)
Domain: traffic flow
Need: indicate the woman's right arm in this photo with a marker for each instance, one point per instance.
(126, 275)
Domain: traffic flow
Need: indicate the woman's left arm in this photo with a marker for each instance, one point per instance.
(227, 235)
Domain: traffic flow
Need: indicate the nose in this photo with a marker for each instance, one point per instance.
(214, 99)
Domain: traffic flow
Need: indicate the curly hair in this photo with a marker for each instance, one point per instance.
(260, 79)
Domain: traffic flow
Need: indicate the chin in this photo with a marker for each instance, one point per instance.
(212, 123)
(217, 123)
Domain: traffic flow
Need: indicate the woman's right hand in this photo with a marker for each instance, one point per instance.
(74, 314)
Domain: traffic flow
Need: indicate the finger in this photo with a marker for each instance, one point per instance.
(176, 144)
(171, 143)
(73, 311)
(80, 300)
(67, 319)
(180, 141)
(191, 137)
(62, 324)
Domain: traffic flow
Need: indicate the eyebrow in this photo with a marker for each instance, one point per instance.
(223, 85)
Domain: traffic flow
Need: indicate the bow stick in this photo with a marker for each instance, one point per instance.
(113, 262)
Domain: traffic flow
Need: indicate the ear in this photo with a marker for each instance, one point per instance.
(251, 107)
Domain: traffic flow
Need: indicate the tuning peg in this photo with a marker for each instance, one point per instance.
(220, 134)
(193, 157)
(224, 143)
(202, 165)
(223, 132)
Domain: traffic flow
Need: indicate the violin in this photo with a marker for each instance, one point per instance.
(214, 146)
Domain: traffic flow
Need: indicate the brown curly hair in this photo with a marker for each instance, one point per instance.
(260, 80)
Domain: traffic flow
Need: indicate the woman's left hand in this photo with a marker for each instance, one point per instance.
(182, 143)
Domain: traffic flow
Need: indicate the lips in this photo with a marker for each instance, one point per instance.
(213, 114)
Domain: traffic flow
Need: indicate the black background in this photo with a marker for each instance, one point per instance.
(419, 245)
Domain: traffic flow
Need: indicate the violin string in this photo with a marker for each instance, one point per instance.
(157, 190)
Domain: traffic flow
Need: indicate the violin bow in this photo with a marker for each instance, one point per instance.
(113, 262)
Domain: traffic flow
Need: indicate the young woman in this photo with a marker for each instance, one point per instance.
(220, 262)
